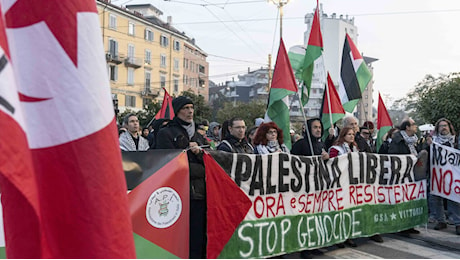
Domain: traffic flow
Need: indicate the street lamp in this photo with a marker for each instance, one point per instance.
(280, 4)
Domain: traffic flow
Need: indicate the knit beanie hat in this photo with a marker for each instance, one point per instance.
(180, 102)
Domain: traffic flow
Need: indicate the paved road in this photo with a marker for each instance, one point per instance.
(429, 243)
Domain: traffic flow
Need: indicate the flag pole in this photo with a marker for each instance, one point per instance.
(328, 96)
(305, 122)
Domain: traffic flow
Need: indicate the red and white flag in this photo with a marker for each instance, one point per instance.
(75, 182)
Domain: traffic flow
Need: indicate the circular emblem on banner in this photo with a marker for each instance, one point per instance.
(163, 207)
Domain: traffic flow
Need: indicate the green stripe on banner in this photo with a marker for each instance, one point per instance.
(281, 235)
(2, 253)
(148, 250)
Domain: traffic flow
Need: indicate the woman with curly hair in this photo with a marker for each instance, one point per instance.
(269, 139)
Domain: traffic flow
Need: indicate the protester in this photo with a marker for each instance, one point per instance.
(157, 125)
(444, 134)
(250, 135)
(405, 142)
(235, 141)
(145, 132)
(180, 134)
(213, 133)
(269, 139)
(131, 140)
(302, 147)
(387, 140)
(362, 139)
(370, 140)
(344, 144)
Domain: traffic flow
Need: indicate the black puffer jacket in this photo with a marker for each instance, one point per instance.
(174, 136)
(237, 146)
(302, 147)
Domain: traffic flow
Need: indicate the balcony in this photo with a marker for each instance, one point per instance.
(150, 92)
(133, 62)
(113, 58)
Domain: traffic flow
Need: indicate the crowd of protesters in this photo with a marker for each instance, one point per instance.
(182, 132)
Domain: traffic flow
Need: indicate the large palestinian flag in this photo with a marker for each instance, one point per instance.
(159, 202)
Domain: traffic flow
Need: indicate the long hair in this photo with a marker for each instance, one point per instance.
(341, 139)
(261, 134)
(451, 127)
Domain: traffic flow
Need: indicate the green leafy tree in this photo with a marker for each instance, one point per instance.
(144, 116)
(247, 111)
(434, 98)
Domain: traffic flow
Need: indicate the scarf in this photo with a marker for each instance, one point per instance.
(448, 140)
(189, 127)
(410, 141)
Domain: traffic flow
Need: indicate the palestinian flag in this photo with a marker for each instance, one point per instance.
(332, 109)
(313, 64)
(354, 75)
(159, 202)
(384, 123)
(166, 110)
(283, 85)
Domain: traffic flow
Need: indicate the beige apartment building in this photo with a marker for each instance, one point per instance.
(196, 69)
(143, 54)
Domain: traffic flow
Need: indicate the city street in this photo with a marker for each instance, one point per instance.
(429, 243)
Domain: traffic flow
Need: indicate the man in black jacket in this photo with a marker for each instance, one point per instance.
(235, 141)
(180, 134)
(405, 142)
(302, 147)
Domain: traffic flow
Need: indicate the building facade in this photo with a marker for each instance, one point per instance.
(250, 87)
(143, 54)
(195, 66)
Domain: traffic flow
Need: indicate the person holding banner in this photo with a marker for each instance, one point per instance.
(180, 133)
(405, 142)
(269, 139)
(444, 134)
(344, 144)
(302, 147)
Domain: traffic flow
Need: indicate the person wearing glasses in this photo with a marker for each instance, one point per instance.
(269, 139)
(363, 139)
(235, 141)
(444, 134)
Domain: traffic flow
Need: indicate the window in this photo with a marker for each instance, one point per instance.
(176, 64)
(162, 80)
(112, 21)
(130, 101)
(131, 53)
(148, 35)
(202, 69)
(176, 45)
(163, 61)
(113, 48)
(148, 56)
(176, 84)
(184, 80)
(192, 66)
(131, 29)
(164, 41)
(185, 63)
(146, 102)
(130, 76)
(113, 72)
(147, 79)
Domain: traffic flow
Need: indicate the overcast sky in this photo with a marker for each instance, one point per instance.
(411, 38)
